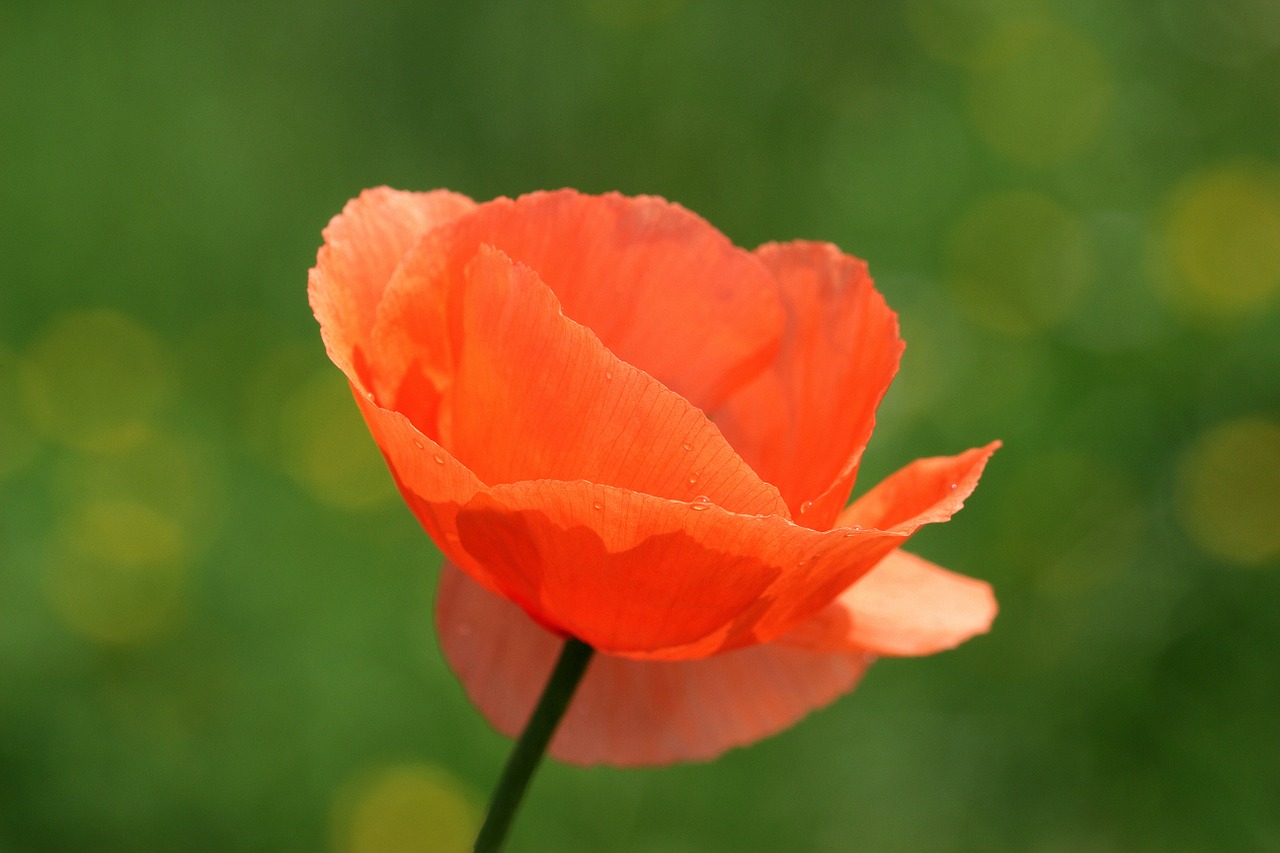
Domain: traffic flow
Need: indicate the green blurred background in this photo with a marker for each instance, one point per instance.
(215, 613)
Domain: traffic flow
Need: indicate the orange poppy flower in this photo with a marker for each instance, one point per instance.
(618, 426)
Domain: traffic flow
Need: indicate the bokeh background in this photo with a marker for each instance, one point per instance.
(215, 613)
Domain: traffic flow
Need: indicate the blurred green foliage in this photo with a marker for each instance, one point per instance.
(215, 615)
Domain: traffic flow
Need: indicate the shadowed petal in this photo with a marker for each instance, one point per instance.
(641, 576)
(433, 484)
(905, 606)
(629, 712)
(804, 422)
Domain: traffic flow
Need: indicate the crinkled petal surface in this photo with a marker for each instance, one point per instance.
(804, 422)
(662, 289)
(629, 712)
(905, 606)
(537, 396)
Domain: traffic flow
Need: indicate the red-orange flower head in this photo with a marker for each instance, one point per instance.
(620, 427)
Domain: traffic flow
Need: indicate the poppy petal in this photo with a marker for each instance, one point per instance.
(629, 712)
(804, 422)
(646, 577)
(537, 396)
(362, 247)
(905, 606)
(926, 491)
(662, 289)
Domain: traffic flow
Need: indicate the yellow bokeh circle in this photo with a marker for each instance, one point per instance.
(116, 574)
(177, 476)
(1018, 262)
(132, 524)
(94, 380)
(1042, 95)
(326, 446)
(1221, 247)
(969, 33)
(272, 379)
(1228, 491)
(406, 808)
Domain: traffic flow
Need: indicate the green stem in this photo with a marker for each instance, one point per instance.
(524, 759)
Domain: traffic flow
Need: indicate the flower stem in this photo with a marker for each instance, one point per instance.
(524, 759)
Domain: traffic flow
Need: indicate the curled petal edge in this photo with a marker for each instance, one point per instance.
(906, 606)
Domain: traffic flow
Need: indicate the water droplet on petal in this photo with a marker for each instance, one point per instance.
(418, 444)
(598, 505)
(687, 447)
(806, 506)
(693, 478)
(608, 376)
(954, 485)
(439, 459)
(700, 503)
